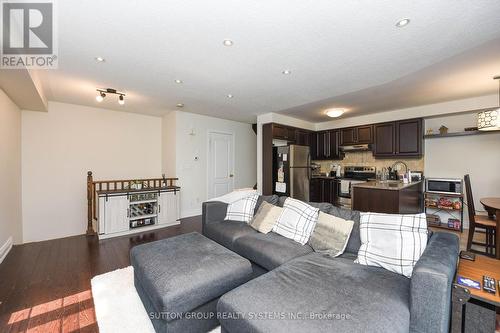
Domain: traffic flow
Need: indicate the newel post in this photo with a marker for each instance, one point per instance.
(90, 193)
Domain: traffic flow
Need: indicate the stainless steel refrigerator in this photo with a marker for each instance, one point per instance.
(292, 171)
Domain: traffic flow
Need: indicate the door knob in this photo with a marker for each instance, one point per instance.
(231, 175)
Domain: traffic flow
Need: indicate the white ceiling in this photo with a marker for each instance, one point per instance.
(347, 54)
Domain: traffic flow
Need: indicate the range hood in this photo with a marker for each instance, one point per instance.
(356, 148)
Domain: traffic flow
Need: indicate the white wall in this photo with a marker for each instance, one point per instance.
(193, 173)
(10, 172)
(455, 157)
(168, 146)
(59, 147)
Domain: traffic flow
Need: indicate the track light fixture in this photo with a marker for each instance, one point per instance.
(101, 94)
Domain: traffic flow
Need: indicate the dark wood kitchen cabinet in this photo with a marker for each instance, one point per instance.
(283, 132)
(356, 135)
(399, 139)
(325, 146)
(323, 190)
(302, 137)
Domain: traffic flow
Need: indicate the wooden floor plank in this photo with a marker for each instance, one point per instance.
(45, 286)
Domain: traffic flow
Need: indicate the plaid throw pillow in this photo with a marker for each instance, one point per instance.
(297, 220)
(242, 209)
(393, 242)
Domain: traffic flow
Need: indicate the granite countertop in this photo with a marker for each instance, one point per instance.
(387, 185)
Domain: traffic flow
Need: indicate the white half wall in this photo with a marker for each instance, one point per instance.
(59, 147)
(10, 174)
(191, 156)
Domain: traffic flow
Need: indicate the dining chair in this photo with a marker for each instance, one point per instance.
(477, 221)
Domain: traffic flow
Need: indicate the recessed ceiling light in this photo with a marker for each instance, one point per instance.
(403, 22)
(178, 81)
(227, 42)
(100, 59)
(334, 113)
(180, 105)
(229, 96)
(287, 72)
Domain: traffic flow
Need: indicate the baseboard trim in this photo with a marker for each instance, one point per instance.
(5, 249)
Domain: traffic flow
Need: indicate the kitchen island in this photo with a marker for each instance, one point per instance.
(392, 197)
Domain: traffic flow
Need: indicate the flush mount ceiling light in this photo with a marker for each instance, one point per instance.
(403, 22)
(227, 42)
(490, 120)
(100, 59)
(101, 94)
(178, 81)
(334, 113)
(286, 72)
(230, 96)
(180, 105)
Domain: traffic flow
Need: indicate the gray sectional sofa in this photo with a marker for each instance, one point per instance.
(298, 290)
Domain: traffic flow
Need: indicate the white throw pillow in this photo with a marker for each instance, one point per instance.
(242, 209)
(393, 242)
(297, 220)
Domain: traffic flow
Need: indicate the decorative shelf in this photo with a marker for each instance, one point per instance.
(466, 133)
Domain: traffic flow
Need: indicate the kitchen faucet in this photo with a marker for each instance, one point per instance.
(401, 163)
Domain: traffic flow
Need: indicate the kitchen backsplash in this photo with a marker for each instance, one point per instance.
(365, 158)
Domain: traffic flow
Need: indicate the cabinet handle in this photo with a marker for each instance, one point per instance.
(128, 212)
(159, 208)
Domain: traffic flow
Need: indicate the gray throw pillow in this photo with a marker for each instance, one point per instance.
(331, 234)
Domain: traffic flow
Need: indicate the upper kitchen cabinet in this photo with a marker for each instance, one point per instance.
(302, 137)
(283, 132)
(356, 135)
(385, 140)
(399, 138)
(409, 137)
(325, 146)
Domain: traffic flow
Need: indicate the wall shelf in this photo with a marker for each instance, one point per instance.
(466, 133)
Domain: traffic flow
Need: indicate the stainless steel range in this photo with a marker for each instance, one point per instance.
(352, 175)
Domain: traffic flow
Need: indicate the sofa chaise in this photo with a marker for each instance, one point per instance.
(298, 290)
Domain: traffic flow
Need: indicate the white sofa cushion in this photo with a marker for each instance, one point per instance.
(297, 220)
(242, 210)
(391, 241)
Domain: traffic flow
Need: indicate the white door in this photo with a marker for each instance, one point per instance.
(220, 164)
(168, 207)
(115, 214)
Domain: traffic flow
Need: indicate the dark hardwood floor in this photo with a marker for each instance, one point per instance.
(45, 286)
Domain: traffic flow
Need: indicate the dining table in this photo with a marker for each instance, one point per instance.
(492, 206)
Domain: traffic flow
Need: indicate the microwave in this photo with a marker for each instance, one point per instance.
(444, 185)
